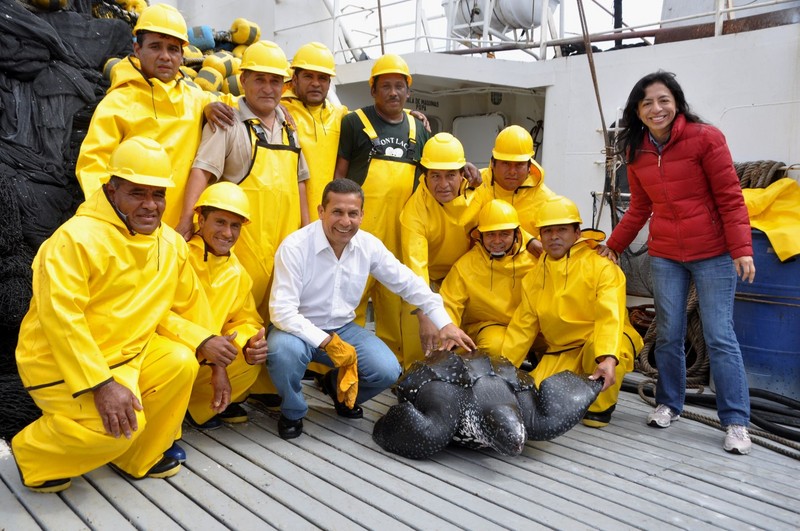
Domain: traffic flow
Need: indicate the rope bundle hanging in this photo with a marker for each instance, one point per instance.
(759, 173)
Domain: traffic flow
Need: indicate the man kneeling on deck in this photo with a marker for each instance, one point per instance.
(320, 274)
(107, 348)
(222, 209)
(575, 299)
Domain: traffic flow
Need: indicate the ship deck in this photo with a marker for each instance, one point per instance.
(625, 476)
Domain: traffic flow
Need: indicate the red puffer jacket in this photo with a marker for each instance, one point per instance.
(693, 194)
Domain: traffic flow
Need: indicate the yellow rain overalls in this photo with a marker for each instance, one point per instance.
(169, 113)
(318, 130)
(481, 293)
(577, 304)
(106, 304)
(432, 240)
(227, 287)
(388, 185)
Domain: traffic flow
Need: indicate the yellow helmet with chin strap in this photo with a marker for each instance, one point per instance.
(141, 160)
(265, 56)
(225, 195)
(513, 144)
(163, 18)
(315, 56)
(389, 64)
(497, 215)
(558, 210)
(443, 151)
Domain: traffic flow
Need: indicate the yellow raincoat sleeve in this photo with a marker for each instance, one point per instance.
(107, 129)
(524, 325)
(190, 307)
(243, 317)
(455, 294)
(64, 293)
(413, 239)
(610, 311)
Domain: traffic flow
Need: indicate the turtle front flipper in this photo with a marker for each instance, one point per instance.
(560, 403)
(421, 429)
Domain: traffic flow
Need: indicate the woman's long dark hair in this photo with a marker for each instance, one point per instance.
(632, 135)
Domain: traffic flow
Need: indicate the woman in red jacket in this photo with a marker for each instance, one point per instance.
(682, 179)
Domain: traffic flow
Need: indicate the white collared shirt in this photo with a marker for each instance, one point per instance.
(313, 291)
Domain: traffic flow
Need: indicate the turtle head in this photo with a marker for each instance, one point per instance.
(504, 429)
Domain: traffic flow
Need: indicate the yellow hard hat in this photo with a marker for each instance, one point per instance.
(315, 56)
(558, 210)
(163, 18)
(141, 160)
(443, 151)
(389, 64)
(497, 215)
(265, 56)
(513, 144)
(225, 195)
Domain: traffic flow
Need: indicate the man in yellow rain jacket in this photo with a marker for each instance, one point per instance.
(318, 119)
(222, 210)
(320, 274)
(431, 235)
(575, 299)
(379, 148)
(484, 287)
(515, 177)
(150, 97)
(261, 154)
(107, 348)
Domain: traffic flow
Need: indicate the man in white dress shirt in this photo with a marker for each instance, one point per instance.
(320, 274)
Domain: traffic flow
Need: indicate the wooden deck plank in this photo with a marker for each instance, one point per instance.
(14, 515)
(93, 508)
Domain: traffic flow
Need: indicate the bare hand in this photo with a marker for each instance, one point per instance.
(745, 268)
(608, 252)
(185, 229)
(535, 247)
(428, 333)
(255, 351)
(288, 116)
(422, 118)
(222, 389)
(116, 404)
(219, 350)
(473, 175)
(450, 335)
(218, 114)
(607, 370)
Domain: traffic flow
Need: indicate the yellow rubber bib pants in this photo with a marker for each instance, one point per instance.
(388, 185)
(271, 188)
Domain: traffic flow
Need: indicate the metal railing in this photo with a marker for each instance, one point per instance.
(413, 30)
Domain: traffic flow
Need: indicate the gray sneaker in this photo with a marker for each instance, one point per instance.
(737, 440)
(662, 417)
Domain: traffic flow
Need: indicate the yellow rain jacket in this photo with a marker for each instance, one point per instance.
(775, 210)
(318, 130)
(481, 293)
(577, 304)
(170, 113)
(527, 198)
(107, 304)
(227, 287)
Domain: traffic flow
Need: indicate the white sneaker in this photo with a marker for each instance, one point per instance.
(662, 417)
(737, 440)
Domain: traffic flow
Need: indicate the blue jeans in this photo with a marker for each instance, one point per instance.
(288, 356)
(715, 280)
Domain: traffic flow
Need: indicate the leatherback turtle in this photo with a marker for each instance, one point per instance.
(479, 401)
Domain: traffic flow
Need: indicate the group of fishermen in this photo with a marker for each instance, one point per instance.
(296, 213)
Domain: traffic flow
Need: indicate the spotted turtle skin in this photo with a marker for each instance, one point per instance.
(479, 401)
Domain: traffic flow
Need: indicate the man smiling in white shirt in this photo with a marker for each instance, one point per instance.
(320, 274)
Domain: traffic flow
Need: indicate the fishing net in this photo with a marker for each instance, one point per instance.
(18, 409)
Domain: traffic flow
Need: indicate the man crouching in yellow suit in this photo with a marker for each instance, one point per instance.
(575, 300)
(107, 349)
(222, 209)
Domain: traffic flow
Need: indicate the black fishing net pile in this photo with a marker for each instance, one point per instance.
(50, 83)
